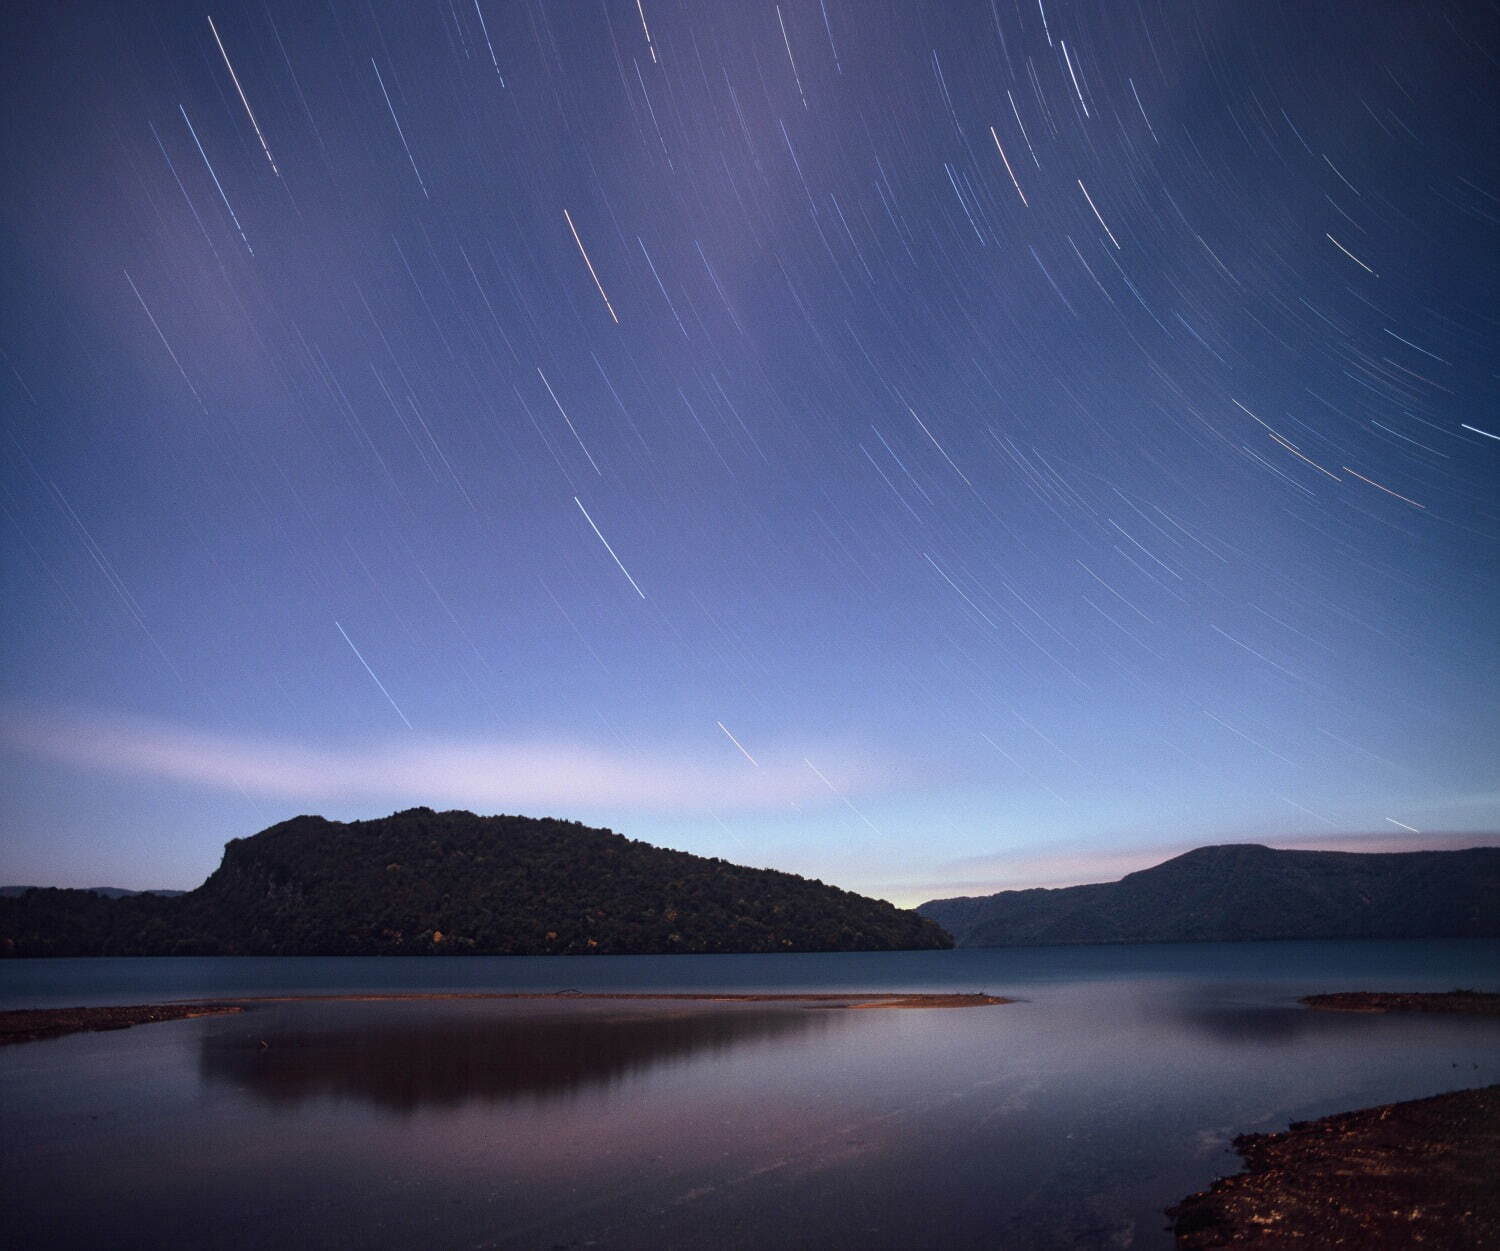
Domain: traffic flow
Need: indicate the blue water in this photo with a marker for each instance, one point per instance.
(1069, 1118)
(1305, 968)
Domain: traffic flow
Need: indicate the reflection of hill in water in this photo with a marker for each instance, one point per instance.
(446, 1059)
(1238, 1016)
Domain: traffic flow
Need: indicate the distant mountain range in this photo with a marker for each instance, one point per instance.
(109, 892)
(1243, 891)
(435, 883)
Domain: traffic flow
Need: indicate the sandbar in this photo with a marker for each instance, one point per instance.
(813, 1000)
(1466, 1002)
(19, 1025)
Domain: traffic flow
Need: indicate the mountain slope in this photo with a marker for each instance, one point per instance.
(424, 882)
(1245, 891)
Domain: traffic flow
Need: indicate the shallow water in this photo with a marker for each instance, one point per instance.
(1435, 965)
(1067, 1119)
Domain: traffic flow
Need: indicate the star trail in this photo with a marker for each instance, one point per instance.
(1048, 437)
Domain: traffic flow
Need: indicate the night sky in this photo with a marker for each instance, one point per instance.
(931, 447)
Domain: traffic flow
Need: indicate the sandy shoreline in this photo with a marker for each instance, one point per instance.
(19, 1025)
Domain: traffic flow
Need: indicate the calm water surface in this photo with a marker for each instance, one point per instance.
(1067, 1119)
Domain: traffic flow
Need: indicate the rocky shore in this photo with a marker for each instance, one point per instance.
(1416, 1174)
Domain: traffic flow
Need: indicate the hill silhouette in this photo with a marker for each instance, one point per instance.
(1243, 891)
(437, 883)
(109, 892)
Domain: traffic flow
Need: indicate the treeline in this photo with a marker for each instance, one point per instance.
(428, 883)
(50, 922)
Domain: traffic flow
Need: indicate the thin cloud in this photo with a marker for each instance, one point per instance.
(1030, 868)
(488, 774)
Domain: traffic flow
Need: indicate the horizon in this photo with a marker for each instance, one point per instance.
(898, 445)
(1044, 874)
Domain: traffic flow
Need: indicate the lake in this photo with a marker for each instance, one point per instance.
(1069, 1118)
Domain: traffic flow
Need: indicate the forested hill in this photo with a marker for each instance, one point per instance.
(437, 883)
(109, 892)
(1244, 891)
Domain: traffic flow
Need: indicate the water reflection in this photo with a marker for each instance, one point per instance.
(437, 1055)
(1234, 1016)
(1066, 1121)
(1264, 1015)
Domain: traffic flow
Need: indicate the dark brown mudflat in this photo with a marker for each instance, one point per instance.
(30, 1024)
(1474, 1002)
(1418, 1174)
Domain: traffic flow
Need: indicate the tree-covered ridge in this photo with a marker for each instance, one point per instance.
(425, 882)
(1243, 891)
